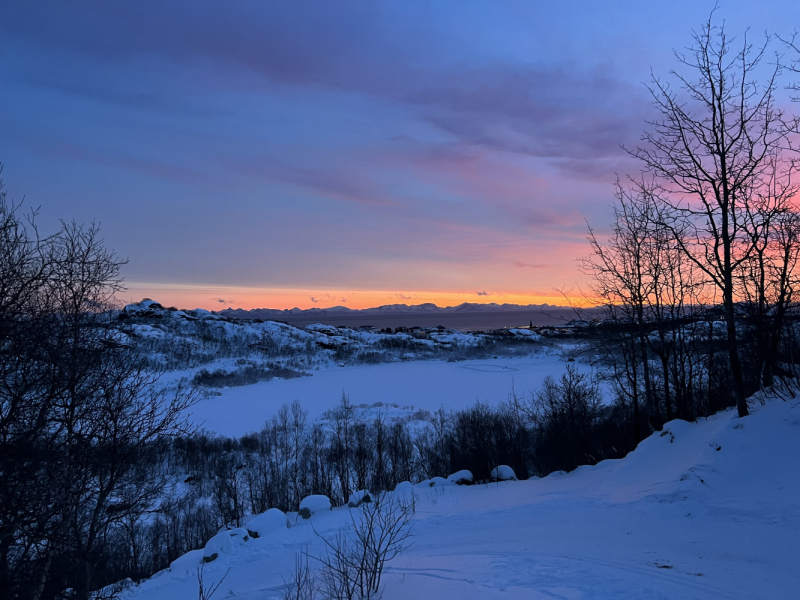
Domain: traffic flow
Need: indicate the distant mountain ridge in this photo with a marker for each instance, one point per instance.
(385, 310)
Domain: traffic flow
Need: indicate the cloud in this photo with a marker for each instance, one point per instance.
(225, 301)
(546, 112)
(557, 110)
(439, 155)
(338, 182)
(484, 293)
(524, 265)
(326, 298)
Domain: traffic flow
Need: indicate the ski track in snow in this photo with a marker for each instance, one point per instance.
(706, 511)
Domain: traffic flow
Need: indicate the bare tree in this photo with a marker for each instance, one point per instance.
(713, 150)
(624, 279)
(564, 414)
(342, 442)
(302, 583)
(207, 591)
(77, 409)
(792, 44)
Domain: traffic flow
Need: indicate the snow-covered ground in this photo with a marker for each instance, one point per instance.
(702, 510)
(410, 369)
(421, 384)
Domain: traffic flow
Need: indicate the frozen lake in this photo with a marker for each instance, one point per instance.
(424, 384)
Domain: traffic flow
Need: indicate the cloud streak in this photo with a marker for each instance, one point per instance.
(455, 147)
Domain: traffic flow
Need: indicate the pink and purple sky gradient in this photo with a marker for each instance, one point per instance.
(306, 154)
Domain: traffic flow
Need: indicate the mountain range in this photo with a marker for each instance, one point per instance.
(385, 310)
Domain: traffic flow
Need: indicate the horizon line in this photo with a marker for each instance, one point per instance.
(216, 297)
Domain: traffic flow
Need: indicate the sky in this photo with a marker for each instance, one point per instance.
(279, 154)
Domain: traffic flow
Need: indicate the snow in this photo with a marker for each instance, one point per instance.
(461, 477)
(147, 331)
(423, 384)
(268, 522)
(188, 563)
(315, 504)
(526, 333)
(707, 510)
(321, 328)
(358, 497)
(433, 482)
(227, 541)
(404, 491)
(503, 473)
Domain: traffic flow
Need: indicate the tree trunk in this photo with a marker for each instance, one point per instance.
(733, 354)
(667, 399)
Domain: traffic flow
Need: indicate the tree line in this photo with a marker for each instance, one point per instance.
(219, 482)
(78, 410)
(697, 277)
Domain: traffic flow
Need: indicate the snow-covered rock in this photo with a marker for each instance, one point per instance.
(503, 473)
(463, 477)
(312, 505)
(265, 523)
(404, 491)
(144, 309)
(434, 482)
(358, 498)
(226, 541)
(187, 563)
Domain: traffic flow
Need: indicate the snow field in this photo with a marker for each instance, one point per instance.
(422, 384)
(707, 510)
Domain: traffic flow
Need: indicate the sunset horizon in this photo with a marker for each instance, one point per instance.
(212, 297)
(234, 154)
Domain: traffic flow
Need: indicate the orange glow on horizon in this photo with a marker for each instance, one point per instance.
(218, 297)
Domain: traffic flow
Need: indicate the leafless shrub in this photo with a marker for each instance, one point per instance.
(206, 592)
(353, 562)
(302, 583)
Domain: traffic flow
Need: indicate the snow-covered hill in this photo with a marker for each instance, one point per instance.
(700, 510)
(190, 340)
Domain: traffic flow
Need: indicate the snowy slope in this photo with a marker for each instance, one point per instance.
(188, 340)
(703, 510)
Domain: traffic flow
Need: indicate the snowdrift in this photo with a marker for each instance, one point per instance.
(700, 510)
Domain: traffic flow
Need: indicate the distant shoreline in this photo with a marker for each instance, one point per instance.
(464, 321)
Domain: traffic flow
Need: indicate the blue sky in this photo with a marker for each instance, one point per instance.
(268, 153)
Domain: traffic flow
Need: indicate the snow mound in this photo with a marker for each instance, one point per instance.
(404, 487)
(700, 511)
(188, 563)
(358, 498)
(434, 482)
(462, 477)
(404, 492)
(312, 505)
(265, 523)
(503, 473)
(226, 541)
